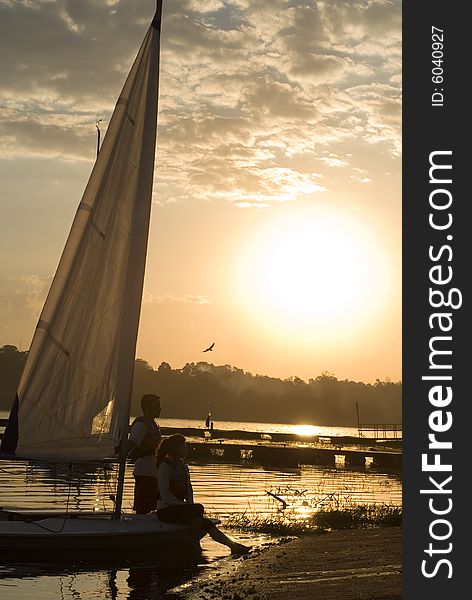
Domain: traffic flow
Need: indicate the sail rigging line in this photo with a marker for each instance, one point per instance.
(66, 515)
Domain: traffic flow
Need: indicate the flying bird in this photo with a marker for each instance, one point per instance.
(210, 348)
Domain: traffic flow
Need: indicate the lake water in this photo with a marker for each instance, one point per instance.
(300, 429)
(224, 489)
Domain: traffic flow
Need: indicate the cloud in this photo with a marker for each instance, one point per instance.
(24, 292)
(247, 88)
(39, 137)
(277, 100)
(252, 205)
(333, 161)
(150, 298)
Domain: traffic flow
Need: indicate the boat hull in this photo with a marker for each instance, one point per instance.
(86, 538)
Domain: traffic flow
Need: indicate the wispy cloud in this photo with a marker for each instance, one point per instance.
(24, 292)
(150, 298)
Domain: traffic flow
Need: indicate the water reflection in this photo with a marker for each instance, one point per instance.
(145, 583)
(138, 581)
(223, 488)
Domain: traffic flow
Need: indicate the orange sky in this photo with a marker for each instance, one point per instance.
(276, 225)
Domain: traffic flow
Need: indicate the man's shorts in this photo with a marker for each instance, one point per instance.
(145, 494)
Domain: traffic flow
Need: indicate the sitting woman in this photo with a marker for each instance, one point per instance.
(175, 495)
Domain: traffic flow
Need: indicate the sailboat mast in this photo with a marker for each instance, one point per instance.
(97, 125)
(120, 486)
(133, 302)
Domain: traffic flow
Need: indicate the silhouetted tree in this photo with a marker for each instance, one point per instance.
(235, 395)
(12, 362)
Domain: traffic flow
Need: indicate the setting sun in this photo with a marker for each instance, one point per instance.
(313, 270)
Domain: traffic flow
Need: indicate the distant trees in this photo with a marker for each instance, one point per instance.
(12, 362)
(232, 394)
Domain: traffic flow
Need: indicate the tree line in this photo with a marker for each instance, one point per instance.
(232, 394)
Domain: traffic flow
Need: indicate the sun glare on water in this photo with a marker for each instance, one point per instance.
(313, 272)
(305, 430)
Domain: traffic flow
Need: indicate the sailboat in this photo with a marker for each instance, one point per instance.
(74, 397)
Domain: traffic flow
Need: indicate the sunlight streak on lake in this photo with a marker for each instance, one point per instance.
(306, 430)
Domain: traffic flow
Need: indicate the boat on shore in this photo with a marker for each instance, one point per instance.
(74, 397)
(41, 537)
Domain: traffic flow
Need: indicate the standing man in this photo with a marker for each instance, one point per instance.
(144, 439)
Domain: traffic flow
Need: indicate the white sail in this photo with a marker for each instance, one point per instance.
(74, 396)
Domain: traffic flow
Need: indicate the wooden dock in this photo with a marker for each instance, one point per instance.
(380, 431)
(290, 455)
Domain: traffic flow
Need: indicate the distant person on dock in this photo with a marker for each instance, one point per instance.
(144, 439)
(175, 494)
(208, 421)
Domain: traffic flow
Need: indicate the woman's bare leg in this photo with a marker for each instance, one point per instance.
(222, 538)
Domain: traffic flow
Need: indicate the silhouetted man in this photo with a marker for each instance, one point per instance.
(144, 439)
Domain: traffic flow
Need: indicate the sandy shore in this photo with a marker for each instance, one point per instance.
(341, 565)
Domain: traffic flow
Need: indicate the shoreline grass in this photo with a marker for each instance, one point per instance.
(366, 516)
